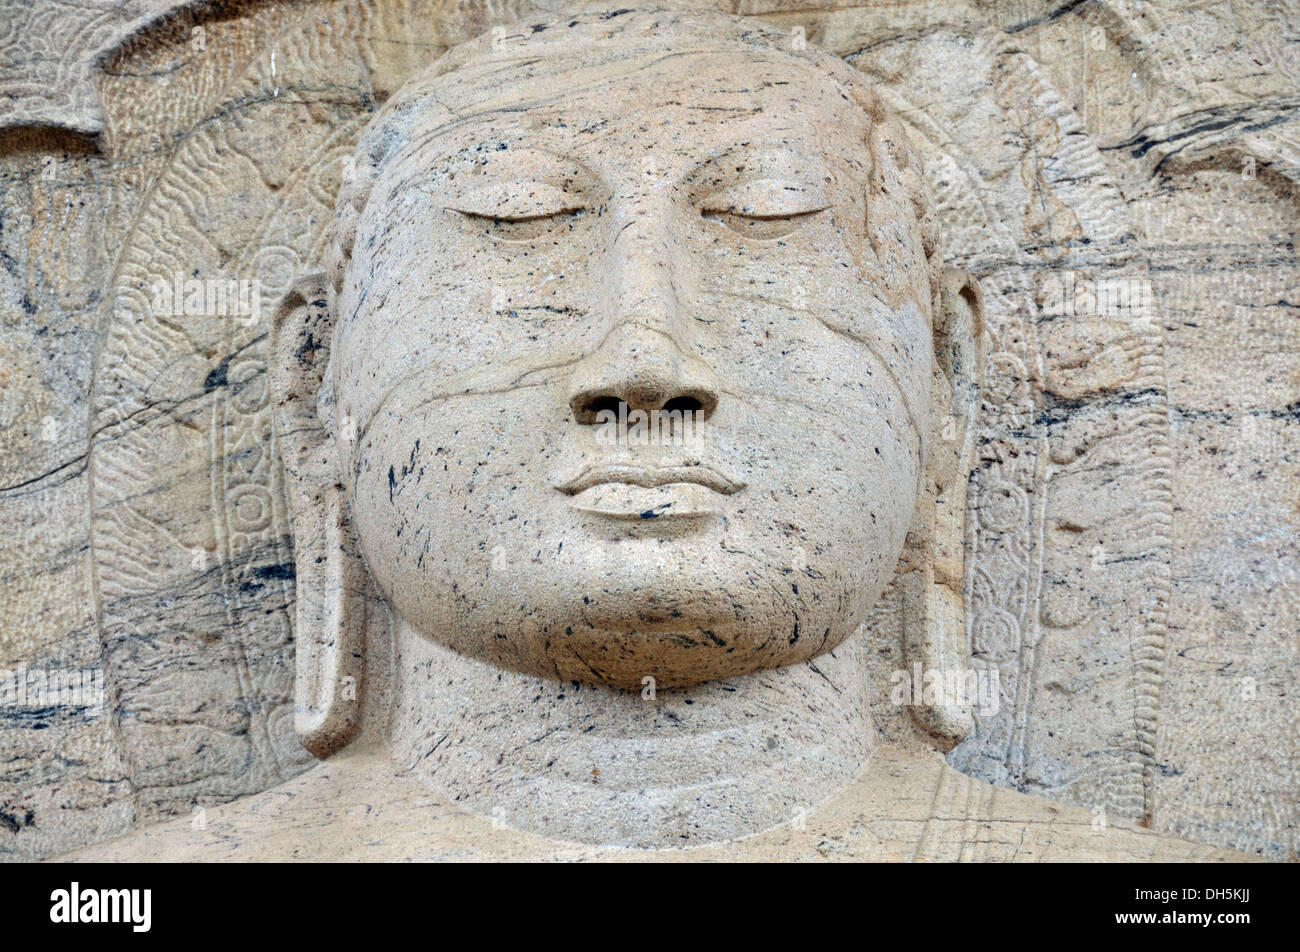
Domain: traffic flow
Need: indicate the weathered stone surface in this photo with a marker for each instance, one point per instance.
(49, 53)
(905, 808)
(1131, 564)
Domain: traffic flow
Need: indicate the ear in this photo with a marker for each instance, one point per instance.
(331, 577)
(932, 567)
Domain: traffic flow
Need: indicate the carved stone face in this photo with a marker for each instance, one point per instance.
(719, 233)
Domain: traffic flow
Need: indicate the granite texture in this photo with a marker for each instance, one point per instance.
(905, 807)
(1120, 177)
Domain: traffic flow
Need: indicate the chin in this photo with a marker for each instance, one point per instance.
(676, 626)
(680, 631)
(669, 657)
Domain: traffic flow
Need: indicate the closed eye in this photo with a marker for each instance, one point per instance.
(515, 201)
(764, 208)
(518, 211)
(759, 227)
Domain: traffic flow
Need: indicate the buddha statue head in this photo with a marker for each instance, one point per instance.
(633, 363)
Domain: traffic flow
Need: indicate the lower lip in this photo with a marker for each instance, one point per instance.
(669, 502)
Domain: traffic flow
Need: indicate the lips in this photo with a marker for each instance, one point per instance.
(651, 495)
(652, 477)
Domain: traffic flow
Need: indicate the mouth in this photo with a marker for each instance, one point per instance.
(649, 494)
(651, 477)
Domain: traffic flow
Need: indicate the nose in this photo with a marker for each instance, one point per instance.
(643, 359)
(645, 369)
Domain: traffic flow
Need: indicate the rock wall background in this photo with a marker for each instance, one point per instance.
(1122, 177)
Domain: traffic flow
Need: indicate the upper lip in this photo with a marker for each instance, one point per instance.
(651, 476)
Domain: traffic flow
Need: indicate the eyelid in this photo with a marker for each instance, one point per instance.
(766, 198)
(516, 201)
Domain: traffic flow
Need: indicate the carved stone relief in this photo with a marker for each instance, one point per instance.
(1120, 179)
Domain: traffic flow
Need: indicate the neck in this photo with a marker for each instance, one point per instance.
(671, 768)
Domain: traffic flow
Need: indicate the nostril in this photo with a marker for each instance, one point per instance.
(588, 411)
(603, 403)
(698, 405)
(682, 405)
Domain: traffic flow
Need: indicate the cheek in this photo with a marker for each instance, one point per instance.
(846, 485)
(449, 301)
(442, 485)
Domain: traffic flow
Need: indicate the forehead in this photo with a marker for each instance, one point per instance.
(666, 109)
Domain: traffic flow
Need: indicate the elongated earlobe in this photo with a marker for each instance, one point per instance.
(332, 581)
(932, 566)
